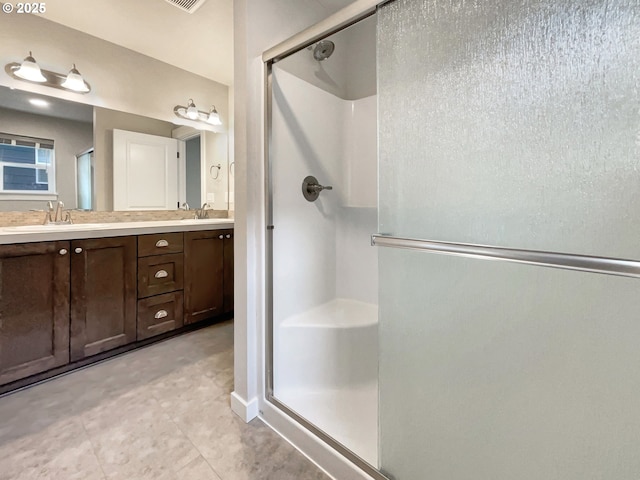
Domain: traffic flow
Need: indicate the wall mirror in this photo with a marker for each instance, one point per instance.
(54, 149)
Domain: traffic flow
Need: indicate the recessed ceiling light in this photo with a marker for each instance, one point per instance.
(38, 102)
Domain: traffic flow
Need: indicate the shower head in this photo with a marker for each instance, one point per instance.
(323, 50)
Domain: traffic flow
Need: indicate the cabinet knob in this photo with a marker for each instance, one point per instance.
(228, 235)
(63, 251)
(78, 250)
(162, 243)
(161, 274)
(220, 237)
(161, 314)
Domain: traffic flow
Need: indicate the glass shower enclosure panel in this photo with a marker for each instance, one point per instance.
(323, 195)
(509, 133)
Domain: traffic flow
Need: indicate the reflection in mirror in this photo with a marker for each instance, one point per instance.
(85, 180)
(54, 149)
(29, 122)
(207, 168)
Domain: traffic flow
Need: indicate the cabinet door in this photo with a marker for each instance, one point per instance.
(34, 308)
(204, 268)
(228, 272)
(103, 295)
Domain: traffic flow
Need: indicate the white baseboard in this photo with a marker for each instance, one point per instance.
(245, 410)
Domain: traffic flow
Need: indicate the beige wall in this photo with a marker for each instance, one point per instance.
(216, 153)
(70, 138)
(104, 122)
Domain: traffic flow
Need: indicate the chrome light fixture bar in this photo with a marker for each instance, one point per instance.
(30, 71)
(190, 112)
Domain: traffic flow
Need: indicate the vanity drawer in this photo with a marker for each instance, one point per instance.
(160, 274)
(159, 244)
(159, 314)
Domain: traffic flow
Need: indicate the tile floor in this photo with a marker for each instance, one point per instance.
(158, 413)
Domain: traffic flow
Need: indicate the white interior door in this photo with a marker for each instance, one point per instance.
(145, 172)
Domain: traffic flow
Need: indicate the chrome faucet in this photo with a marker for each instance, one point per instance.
(47, 216)
(201, 213)
(185, 206)
(59, 208)
(57, 217)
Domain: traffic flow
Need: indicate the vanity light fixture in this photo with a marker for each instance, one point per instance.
(190, 112)
(30, 71)
(75, 81)
(214, 118)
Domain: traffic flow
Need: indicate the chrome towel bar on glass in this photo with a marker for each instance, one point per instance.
(566, 261)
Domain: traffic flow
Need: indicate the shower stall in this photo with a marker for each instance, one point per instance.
(325, 313)
(452, 221)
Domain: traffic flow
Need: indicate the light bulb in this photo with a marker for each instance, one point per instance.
(192, 111)
(214, 117)
(29, 70)
(74, 81)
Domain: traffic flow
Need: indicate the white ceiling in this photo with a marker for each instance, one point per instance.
(201, 42)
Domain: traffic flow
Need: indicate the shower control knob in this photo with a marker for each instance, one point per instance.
(311, 188)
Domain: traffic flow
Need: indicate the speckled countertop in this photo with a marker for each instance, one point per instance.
(43, 233)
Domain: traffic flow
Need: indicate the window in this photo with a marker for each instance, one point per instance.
(27, 165)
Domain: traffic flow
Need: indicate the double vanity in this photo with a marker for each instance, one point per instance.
(75, 294)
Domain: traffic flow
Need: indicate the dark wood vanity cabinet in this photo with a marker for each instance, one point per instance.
(103, 295)
(64, 301)
(160, 283)
(159, 314)
(204, 274)
(34, 308)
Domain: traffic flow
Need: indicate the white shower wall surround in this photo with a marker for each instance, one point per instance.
(328, 369)
(335, 140)
(325, 271)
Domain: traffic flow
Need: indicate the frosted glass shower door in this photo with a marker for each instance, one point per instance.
(509, 130)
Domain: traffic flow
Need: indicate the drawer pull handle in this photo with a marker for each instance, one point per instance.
(161, 274)
(78, 250)
(220, 237)
(161, 314)
(228, 235)
(63, 251)
(162, 243)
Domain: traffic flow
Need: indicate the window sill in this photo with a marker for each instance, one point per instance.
(28, 196)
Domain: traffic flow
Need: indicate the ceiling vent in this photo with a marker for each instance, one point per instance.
(188, 6)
